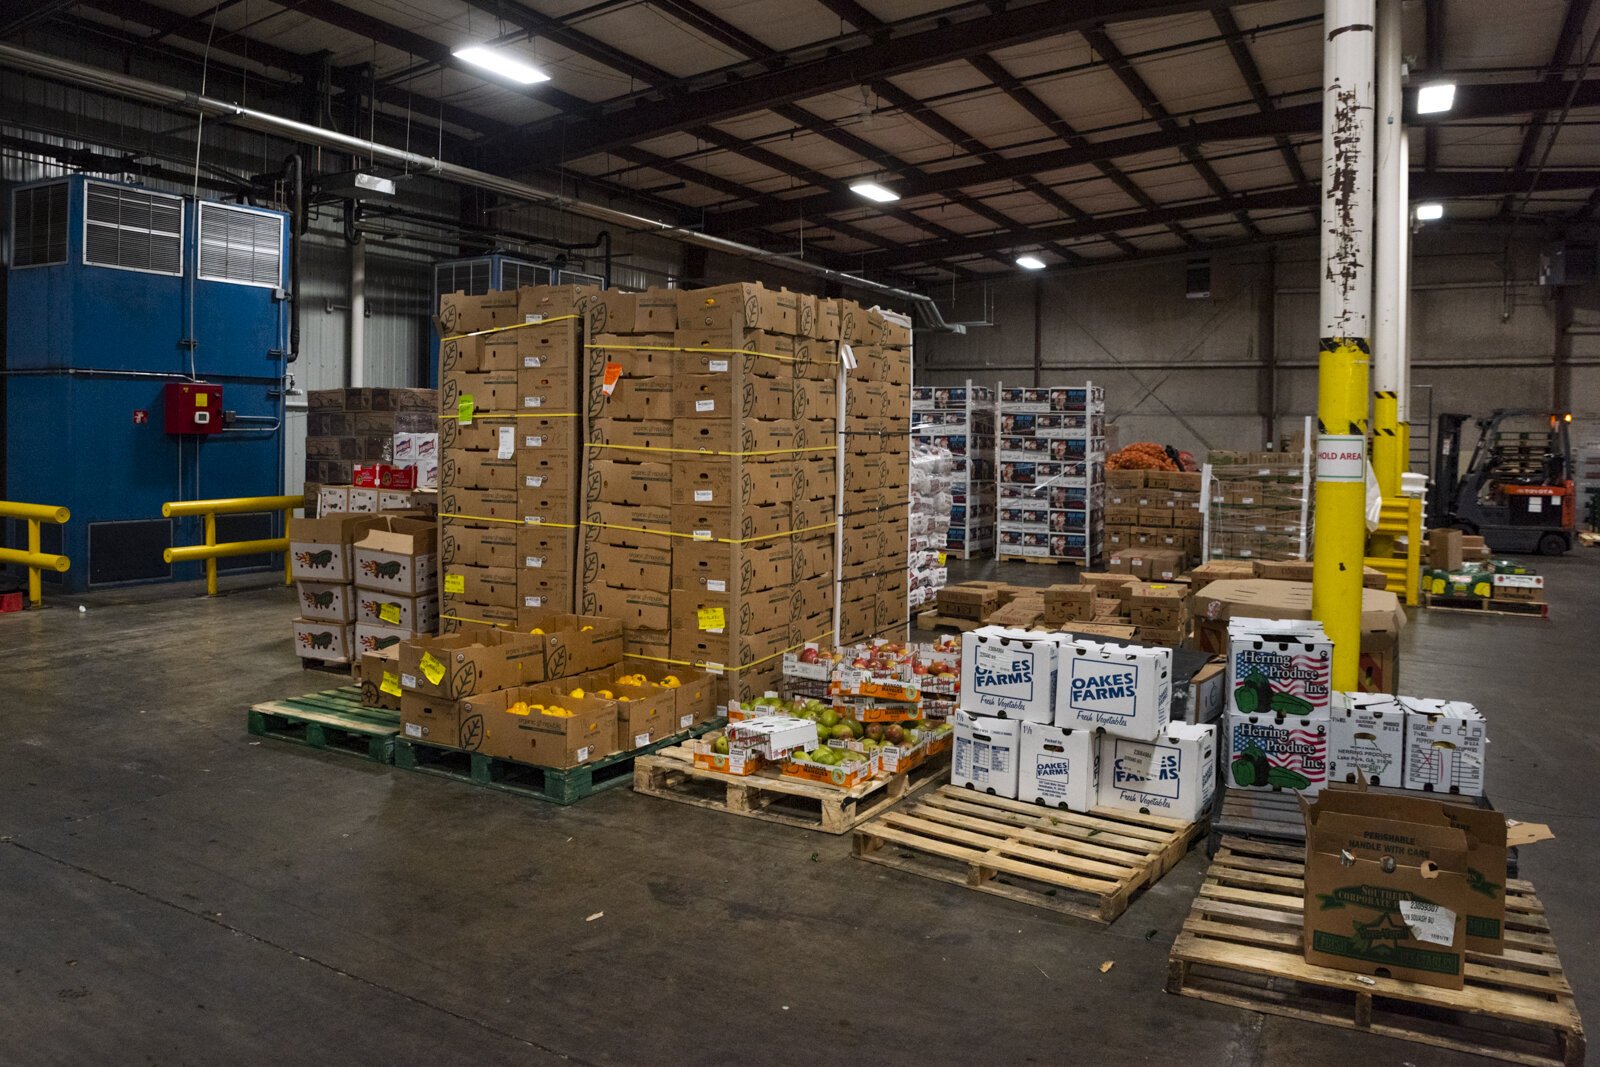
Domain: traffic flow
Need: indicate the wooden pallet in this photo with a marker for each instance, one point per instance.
(1241, 946)
(672, 775)
(932, 620)
(1042, 560)
(333, 720)
(327, 666)
(1085, 865)
(1482, 605)
(540, 783)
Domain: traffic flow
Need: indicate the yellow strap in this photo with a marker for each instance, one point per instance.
(713, 451)
(479, 415)
(712, 351)
(513, 326)
(464, 618)
(700, 664)
(509, 522)
(692, 537)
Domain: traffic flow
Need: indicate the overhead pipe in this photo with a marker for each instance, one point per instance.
(294, 168)
(84, 75)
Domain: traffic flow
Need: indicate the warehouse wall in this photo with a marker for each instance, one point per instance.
(1186, 372)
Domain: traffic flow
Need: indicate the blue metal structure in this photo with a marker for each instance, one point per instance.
(113, 292)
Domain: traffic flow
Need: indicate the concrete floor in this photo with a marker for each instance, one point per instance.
(175, 892)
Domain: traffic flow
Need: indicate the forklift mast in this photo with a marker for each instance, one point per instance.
(1446, 485)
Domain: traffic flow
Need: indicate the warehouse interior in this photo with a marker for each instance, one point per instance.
(242, 235)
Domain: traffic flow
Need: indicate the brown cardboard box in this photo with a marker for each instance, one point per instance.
(708, 523)
(1445, 549)
(718, 567)
(731, 651)
(1114, 630)
(636, 609)
(1362, 873)
(634, 398)
(398, 556)
(1155, 516)
(460, 583)
(631, 433)
(1121, 515)
(1125, 479)
(589, 734)
(461, 469)
(1069, 603)
(724, 481)
(478, 507)
(326, 601)
(489, 391)
(736, 435)
(320, 549)
(473, 661)
(575, 644)
(378, 674)
(638, 355)
(968, 601)
(716, 396)
(734, 613)
(630, 481)
(436, 720)
(745, 305)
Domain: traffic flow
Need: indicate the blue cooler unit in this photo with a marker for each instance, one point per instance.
(115, 292)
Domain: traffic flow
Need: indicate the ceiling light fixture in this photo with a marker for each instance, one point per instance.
(1429, 211)
(507, 65)
(878, 194)
(1432, 99)
(1030, 263)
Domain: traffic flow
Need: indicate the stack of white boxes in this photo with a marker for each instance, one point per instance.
(1078, 724)
(1280, 692)
(930, 522)
(1436, 746)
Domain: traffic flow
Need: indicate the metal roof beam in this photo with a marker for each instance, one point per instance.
(847, 65)
(1566, 41)
(1240, 50)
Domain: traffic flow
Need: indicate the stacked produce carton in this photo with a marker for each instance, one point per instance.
(961, 418)
(1258, 505)
(931, 472)
(396, 583)
(323, 565)
(368, 449)
(1153, 515)
(1051, 451)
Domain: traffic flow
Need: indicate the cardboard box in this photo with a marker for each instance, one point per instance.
(408, 615)
(435, 720)
(1445, 549)
(1172, 775)
(968, 601)
(514, 730)
(1009, 673)
(473, 661)
(1279, 666)
(397, 556)
(987, 754)
(1446, 746)
(1276, 752)
(379, 676)
(577, 644)
(1058, 766)
(332, 642)
(326, 601)
(1385, 896)
(379, 637)
(319, 549)
(1124, 689)
(1367, 739)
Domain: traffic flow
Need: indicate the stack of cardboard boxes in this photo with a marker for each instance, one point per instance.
(1153, 515)
(1260, 506)
(961, 419)
(875, 522)
(508, 506)
(931, 472)
(322, 563)
(368, 449)
(1052, 450)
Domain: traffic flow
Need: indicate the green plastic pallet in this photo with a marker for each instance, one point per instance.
(333, 720)
(540, 783)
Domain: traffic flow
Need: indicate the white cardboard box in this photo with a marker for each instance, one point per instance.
(332, 498)
(1259, 744)
(773, 736)
(1058, 766)
(375, 637)
(331, 641)
(326, 601)
(1125, 689)
(1367, 738)
(363, 501)
(986, 753)
(1009, 673)
(1446, 746)
(1292, 657)
(1174, 775)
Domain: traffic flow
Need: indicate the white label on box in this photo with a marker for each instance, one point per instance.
(534, 481)
(685, 721)
(1432, 923)
(533, 561)
(702, 535)
(705, 405)
(713, 668)
(641, 740)
(714, 585)
(409, 681)
(533, 401)
(1535, 503)
(533, 601)
(532, 361)
(413, 730)
(536, 316)
(532, 441)
(533, 520)
(702, 496)
(718, 366)
(1341, 457)
(583, 753)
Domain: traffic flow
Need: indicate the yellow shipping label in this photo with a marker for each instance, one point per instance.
(432, 669)
(389, 613)
(390, 684)
(712, 618)
(455, 583)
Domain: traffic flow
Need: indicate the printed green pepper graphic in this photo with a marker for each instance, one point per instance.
(1253, 694)
(1251, 768)
(1290, 706)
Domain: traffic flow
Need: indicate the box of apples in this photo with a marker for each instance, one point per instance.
(812, 663)
(883, 669)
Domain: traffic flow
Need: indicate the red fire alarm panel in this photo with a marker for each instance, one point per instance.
(193, 407)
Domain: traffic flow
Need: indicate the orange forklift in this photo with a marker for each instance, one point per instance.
(1516, 490)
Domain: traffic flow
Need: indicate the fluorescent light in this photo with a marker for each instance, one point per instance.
(1030, 263)
(874, 192)
(1432, 99)
(499, 61)
(1430, 211)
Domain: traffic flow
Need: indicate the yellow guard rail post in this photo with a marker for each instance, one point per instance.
(32, 558)
(210, 552)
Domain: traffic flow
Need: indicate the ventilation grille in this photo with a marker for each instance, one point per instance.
(470, 276)
(39, 225)
(514, 274)
(240, 246)
(132, 229)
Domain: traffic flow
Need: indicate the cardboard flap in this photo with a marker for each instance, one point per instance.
(1527, 833)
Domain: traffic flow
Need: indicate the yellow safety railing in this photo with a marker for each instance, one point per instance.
(210, 552)
(32, 558)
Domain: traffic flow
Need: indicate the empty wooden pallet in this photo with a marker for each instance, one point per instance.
(1242, 945)
(1087, 865)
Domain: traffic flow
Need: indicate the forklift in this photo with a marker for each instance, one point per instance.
(1516, 490)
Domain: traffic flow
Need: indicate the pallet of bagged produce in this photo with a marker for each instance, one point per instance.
(1242, 946)
(1085, 865)
(672, 775)
(555, 785)
(333, 720)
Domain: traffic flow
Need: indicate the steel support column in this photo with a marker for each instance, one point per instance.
(1387, 461)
